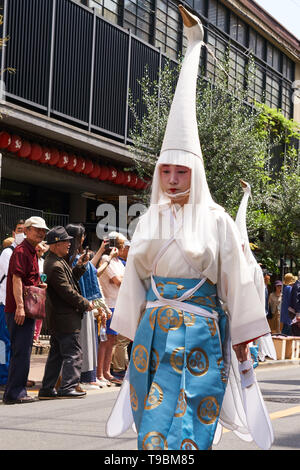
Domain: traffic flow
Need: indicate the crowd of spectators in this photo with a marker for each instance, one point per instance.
(81, 291)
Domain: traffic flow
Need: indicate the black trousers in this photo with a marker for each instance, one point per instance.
(21, 337)
(65, 359)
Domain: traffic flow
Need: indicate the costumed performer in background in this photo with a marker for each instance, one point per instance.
(264, 343)
(185, 254)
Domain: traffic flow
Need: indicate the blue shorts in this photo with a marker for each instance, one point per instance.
(109, 331)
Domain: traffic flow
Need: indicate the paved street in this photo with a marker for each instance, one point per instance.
(80, 424)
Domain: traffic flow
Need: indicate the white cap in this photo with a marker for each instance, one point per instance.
(36, 222)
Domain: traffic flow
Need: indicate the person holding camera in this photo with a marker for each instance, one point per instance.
(110, 281)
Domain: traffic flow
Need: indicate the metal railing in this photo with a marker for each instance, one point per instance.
(10, 214)
(74, 65)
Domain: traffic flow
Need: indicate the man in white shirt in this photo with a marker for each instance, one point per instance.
(18, 233)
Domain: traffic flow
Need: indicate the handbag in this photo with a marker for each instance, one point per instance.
(34, 302)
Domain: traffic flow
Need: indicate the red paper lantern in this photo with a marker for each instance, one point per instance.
(113, 173)
(120, 177)
(89, 166)
(5, 140)
(140, 184)
(96, 171)
(36, 152)
(46, 155)
(104, 174)
(54, 157)
(25, 150)
(134, 180)
(63, 160)
(127, 179)
(79, 168)
(15, 145)
(72, 163)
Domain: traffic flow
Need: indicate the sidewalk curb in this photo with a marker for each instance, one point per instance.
(278, 363)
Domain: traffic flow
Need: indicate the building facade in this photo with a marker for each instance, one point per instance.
(65, 125)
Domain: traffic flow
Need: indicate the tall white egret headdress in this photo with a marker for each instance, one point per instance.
(181, 144)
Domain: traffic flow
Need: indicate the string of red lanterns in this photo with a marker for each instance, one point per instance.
(70, 162)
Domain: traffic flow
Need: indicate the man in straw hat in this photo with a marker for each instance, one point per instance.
(185, 256)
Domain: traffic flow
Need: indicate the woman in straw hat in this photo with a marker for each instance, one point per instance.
(185, 255)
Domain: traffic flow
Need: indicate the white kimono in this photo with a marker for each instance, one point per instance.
(222, 260)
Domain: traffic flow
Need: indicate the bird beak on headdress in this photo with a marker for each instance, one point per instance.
(187, 18)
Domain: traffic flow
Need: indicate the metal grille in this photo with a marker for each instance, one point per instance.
(72, 61)
(72, 64)
(110, 78)
(28, 50)
(10, 214)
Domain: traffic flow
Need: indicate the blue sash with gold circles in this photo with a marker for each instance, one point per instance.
(177, 374)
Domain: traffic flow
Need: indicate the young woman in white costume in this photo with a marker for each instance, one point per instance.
(185, 255)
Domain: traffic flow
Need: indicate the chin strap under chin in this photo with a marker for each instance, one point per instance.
(177, 195)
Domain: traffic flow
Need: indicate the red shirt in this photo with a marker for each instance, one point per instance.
(24, 264)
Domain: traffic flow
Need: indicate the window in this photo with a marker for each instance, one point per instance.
(260, 47)
(212, 11)
(237, 65)
(273, 57)
(197, 5)
(286, 99)
(238, 29)
(108, 9)
(257, 44)
(222, 17)
(256, 84)
(138, 18)
(167, 28)
(287, 68)
(200, 6)
(217, 14)
(272, 91)
(218, 47)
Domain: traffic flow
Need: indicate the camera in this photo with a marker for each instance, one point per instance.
(112, 242)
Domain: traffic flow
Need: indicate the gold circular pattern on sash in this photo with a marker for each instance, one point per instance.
(176, 359)
(154, 361)
(155, 397)
(140, 358)
(169, 318)
(188, 444)
(181, 404)
(133, 398)
(197, 362)
(212, 326)
(189, 319)
(154, 441)
(208, 410)
(152, 318)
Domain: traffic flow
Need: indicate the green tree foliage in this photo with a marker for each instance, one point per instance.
(238, 140)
